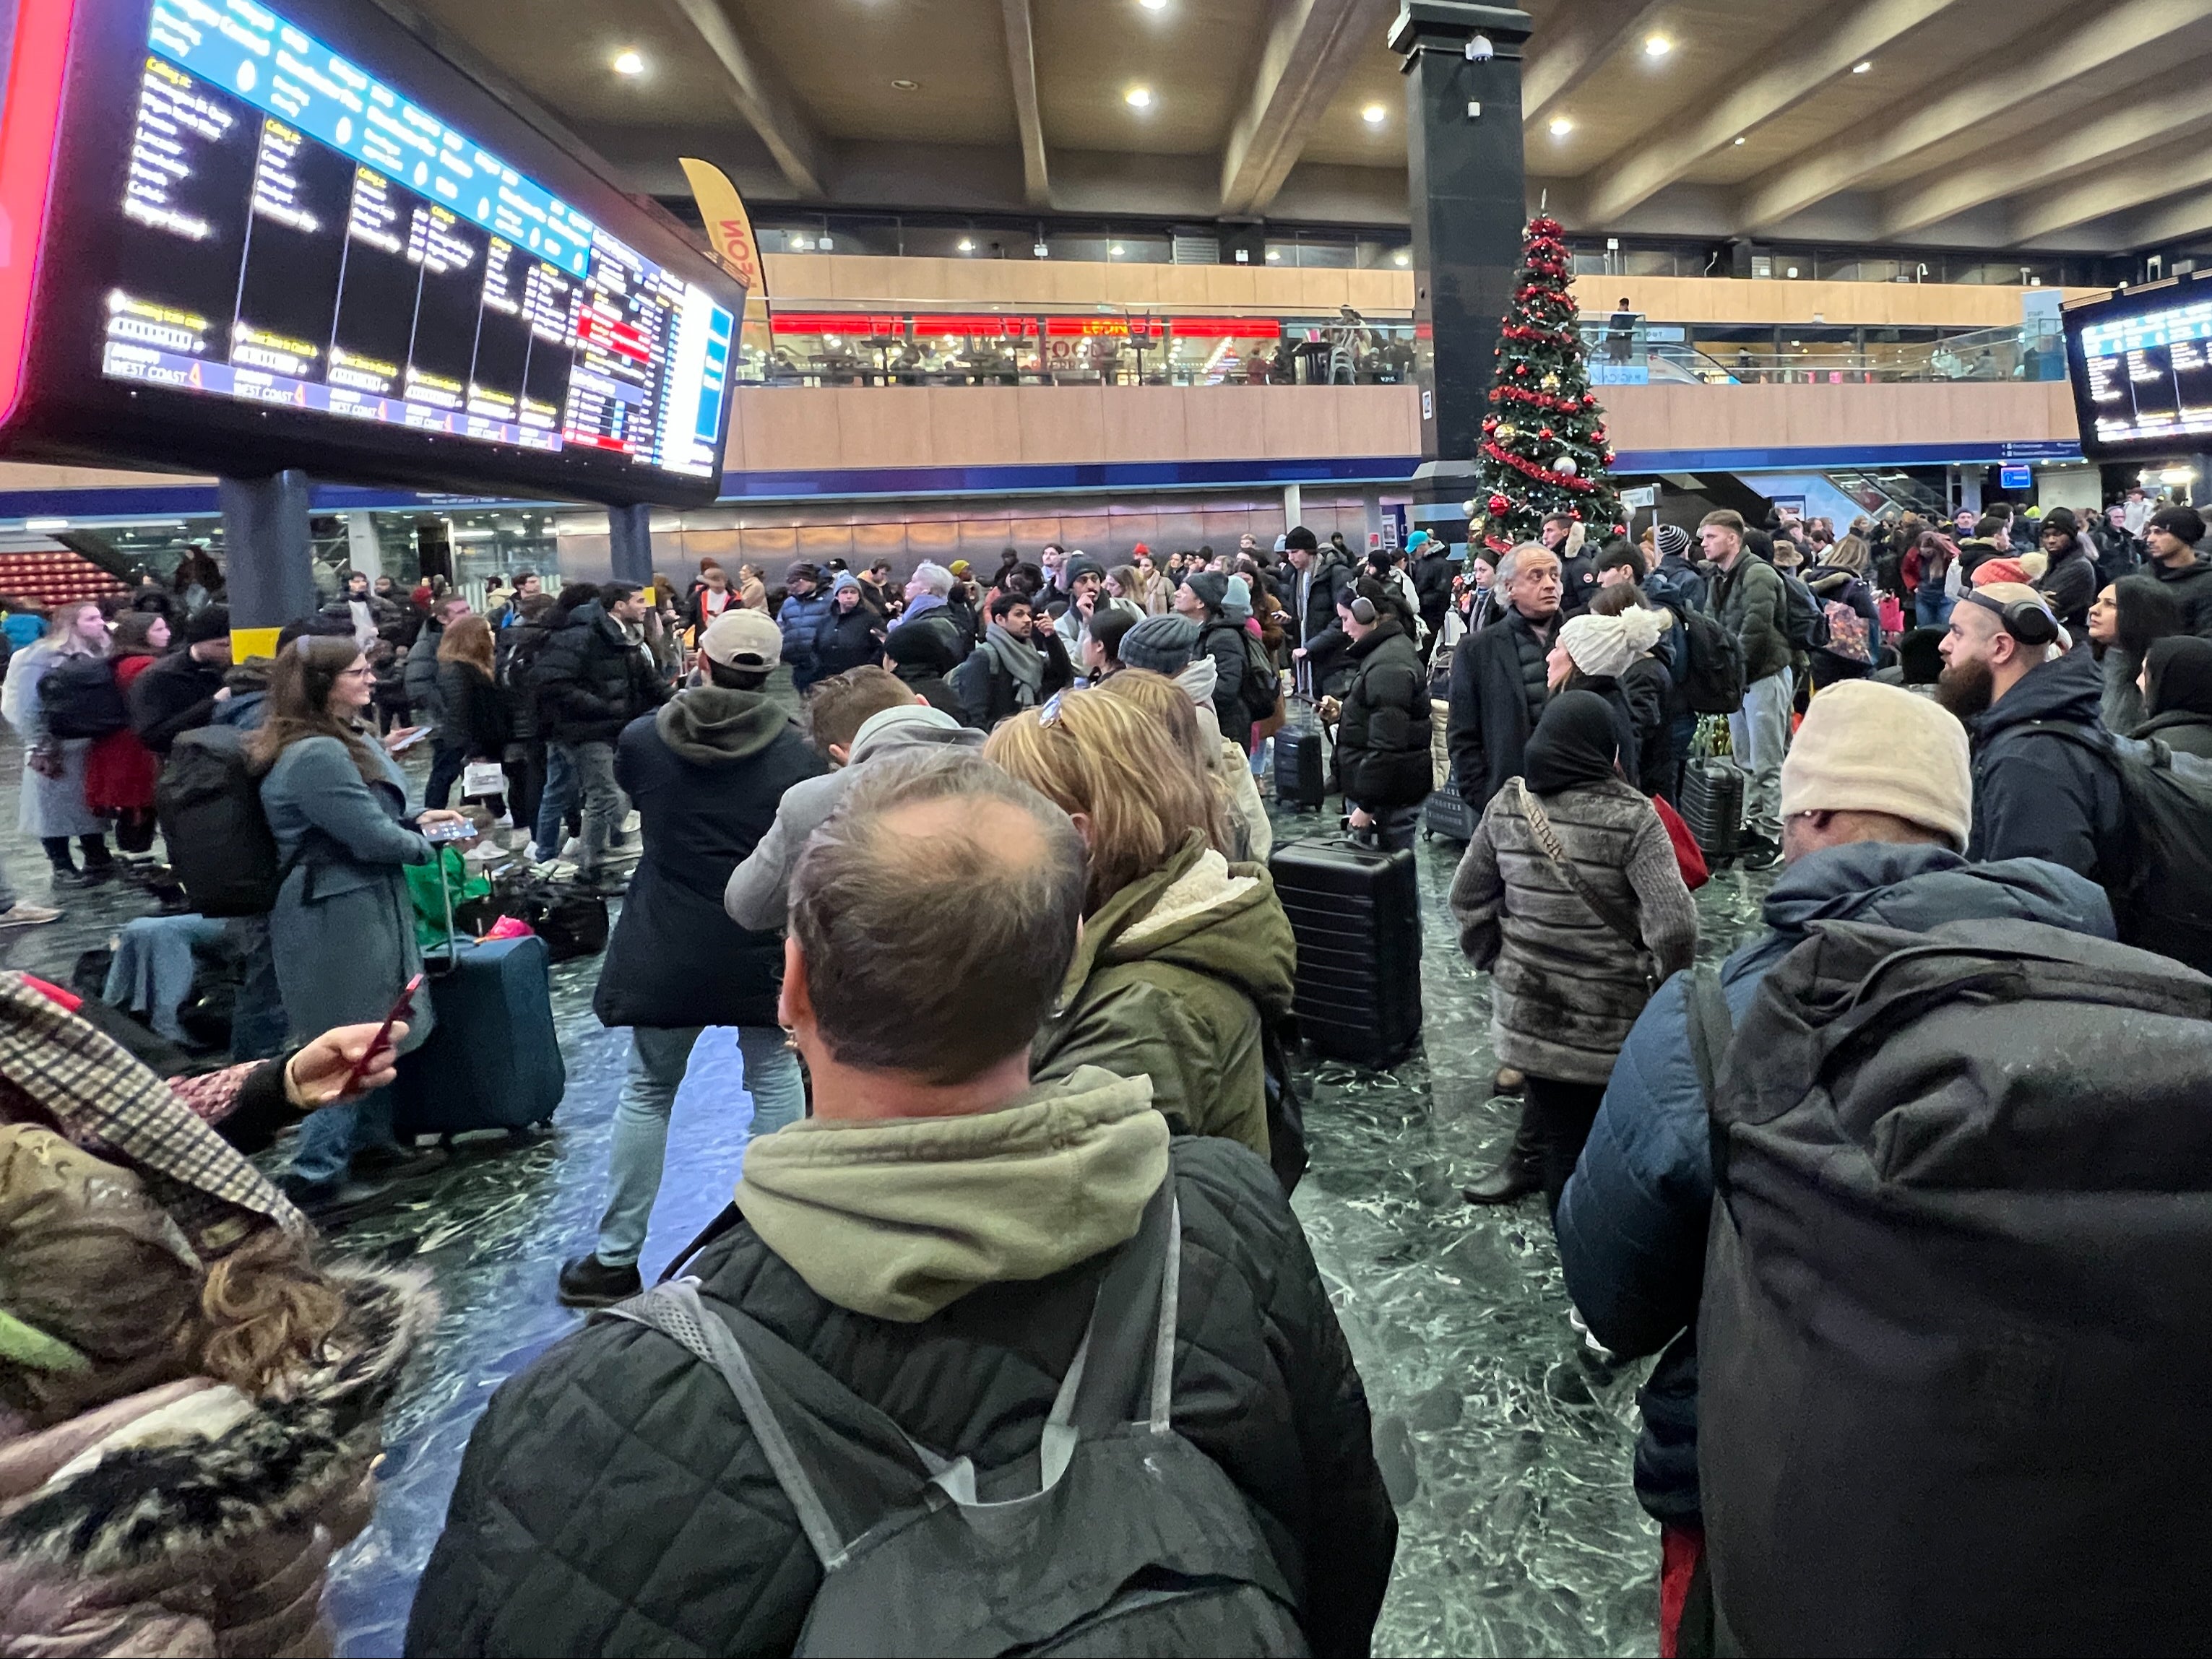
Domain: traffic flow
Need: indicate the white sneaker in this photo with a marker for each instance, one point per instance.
(23, 914)
(554, 870)
(630, 822)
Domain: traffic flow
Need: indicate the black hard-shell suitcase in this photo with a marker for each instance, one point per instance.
(1300, 779)
(1712, 805)
(1357, 916)
(1445, 813)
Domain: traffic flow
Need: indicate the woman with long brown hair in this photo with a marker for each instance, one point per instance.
(1185, 955)
(475, 725)
(342, 928)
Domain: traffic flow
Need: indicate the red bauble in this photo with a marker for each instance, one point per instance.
(1544, 433)
(1499, 504)
(1575, 513)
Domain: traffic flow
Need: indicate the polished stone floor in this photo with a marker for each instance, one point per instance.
(1505, 1439)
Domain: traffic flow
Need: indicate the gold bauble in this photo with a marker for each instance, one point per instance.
(1550, 382)
(1507, 432)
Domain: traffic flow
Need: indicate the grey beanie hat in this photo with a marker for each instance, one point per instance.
(1163, 644)
(1209, 584)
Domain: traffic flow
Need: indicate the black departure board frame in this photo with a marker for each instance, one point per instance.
(2141, 365)
(229, 279)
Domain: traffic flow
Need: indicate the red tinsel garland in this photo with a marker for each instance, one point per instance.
(1530, 469)
(1518, 394)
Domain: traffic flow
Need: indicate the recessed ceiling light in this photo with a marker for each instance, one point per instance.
(1375, 115)
(967, 246)
(1739, 139)
(1657, 46)
(905, 86)
(1274, 254)
(628, 62)
(1861, 69)
(1115, 252)
(1153, 5)
(1403, 258)
(1138, 97)
(1561, 127)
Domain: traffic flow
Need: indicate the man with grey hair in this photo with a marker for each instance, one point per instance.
(1499, 681)
(946, 641)
(934, 1238)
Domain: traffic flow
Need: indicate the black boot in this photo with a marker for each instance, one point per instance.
(1522, 1170)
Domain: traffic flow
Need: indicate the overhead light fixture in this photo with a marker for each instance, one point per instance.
(822, 245)
(1138, 97)
(1403, 258)
(967, 246)
(1375, 115)
(1115, 252)
(1274, 254)
(1561, 127)
(1657, 46)
(45, 526)
(905, 86)
(1153, 5)
(1862, 67)
(1041, 249)
(1739, 139)
(629, 61)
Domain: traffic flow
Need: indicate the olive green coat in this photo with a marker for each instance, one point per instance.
(1172, 979)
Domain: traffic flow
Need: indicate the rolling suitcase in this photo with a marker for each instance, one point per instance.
(1446, 813)
(1712, 805)
(1356, 915)
(492, 1060)
(1301, 765)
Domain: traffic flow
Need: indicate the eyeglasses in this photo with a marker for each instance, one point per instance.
(1049, 716)
(356, 673)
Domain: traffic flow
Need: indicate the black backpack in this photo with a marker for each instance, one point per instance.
(1958, 1291)
(1262, 692)
(1119, 1537)
(220, 847)
(78, 697)
(1712, 679)
(2164, 900)
(1804, 619)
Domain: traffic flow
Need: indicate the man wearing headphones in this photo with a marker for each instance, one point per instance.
(2040, 791)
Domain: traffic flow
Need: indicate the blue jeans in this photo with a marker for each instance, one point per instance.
(559, 799)
(658, 1059)
(446, 767)
(1932, 608)
(332, 1134)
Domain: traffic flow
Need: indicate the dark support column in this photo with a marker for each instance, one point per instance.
(270, 574)
(1469, 199)
(630, 543)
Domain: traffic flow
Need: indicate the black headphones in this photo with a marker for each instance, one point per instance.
(2025, 621)
(1363, 612)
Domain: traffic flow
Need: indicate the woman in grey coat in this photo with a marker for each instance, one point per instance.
(342, 930)
(51, 807)
(1571, 896)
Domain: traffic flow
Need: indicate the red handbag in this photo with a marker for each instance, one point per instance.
(1687, 853)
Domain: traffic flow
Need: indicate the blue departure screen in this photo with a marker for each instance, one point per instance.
(297, 234)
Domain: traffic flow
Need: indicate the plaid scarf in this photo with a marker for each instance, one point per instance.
(55, 1068)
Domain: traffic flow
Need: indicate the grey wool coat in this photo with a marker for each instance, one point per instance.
(343, 926)
(1566, 987)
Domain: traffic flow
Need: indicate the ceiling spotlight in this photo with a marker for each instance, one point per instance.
(1861, 69)
(1041, 249)
(1138, 97)
(1403, 258)
(1739, 139)
(905, 86)
(1657, 46)
(1561, 127)
(1115, 252)
(967, 245)
(1153, 5)
(1274, 254)
(1375, 115)
(628, 62)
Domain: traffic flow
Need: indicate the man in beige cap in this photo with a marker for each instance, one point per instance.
(707, 772)
(1876, 804)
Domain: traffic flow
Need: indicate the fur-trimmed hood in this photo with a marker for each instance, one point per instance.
(194, 1470)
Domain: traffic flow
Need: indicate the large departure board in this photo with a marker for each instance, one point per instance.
(313, 223)
(297, 232)
(2142, 367)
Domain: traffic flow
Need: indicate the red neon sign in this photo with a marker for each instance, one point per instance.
(982, 326)
(1227, 328)
(27, 155)
(859, 325)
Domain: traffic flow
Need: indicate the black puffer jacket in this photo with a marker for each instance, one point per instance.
(1223, 642)
(1383, 733)
(591, 682)
(476, 717)
(613, 1500)
(2038, 795)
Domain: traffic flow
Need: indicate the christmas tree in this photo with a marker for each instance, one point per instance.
(1544, 447)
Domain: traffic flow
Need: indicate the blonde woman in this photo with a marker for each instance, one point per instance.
(52, 807)
(1219, 761)
(1185, 956)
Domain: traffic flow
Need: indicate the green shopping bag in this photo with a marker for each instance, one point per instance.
(428, 885)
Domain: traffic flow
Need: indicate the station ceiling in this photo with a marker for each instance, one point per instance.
(2046, 124)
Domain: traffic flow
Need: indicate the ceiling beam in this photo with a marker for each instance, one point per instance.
(1912, 124)
(2131, 130)
(1591, 32)
(1785, 82)
(2081, 200)
(763, 97)
(1021, 63)
(1309, 51)
(2180, 220)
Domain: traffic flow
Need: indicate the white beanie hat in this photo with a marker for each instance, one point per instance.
(1604, 646)
(1866, 747)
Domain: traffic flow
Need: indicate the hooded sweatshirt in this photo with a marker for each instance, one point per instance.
(1172, 979)
(707, 772)
(900, 1217)
(759, 892)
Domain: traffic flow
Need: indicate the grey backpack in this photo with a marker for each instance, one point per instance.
(1117, 1537)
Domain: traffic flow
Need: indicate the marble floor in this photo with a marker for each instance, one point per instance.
(1506, 1441)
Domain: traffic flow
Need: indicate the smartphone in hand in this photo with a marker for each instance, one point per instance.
(402, 1009)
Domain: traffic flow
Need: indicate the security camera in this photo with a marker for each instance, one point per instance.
(1480, 49)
